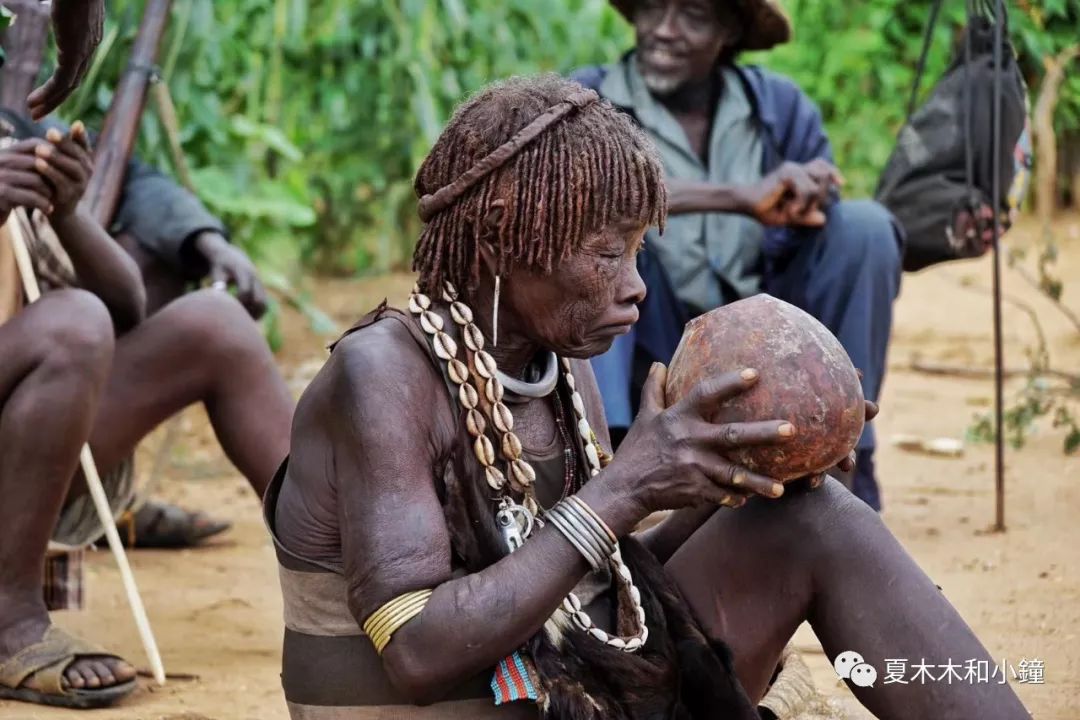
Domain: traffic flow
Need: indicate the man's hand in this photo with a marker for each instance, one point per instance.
(972, 234)
(21, 185)
(231, 267)
(78, 26)
(793, 194)
(66, 164)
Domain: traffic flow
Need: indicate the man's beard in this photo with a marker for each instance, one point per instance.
(661, 85)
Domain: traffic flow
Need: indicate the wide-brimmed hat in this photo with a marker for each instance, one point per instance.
(765, 24)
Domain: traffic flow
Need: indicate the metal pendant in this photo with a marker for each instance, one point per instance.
(515, 522)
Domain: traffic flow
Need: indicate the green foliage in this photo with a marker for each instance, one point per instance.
(304, 121)
(1040, 397)
(857, 60)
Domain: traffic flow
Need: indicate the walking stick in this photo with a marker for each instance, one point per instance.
(93, 479)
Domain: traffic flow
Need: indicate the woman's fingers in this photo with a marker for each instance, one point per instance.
(872, 409)
(731, 436)
(714, 390)
(723, 496)
(730, 476)
(653, 396)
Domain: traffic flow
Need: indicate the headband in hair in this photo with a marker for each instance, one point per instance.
(445, 196)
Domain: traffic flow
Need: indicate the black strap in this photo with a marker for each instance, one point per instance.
(935, 11)
(969, 109)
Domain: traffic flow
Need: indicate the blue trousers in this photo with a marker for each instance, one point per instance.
(846, 275)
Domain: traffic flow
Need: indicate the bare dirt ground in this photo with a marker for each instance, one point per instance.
(217, 612)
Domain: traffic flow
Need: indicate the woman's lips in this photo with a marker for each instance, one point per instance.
(622, 326)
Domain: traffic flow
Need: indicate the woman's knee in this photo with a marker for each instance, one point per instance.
(825, 525)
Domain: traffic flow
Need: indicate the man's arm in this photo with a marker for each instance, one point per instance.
(78, 26)
(165, 218)
(173, 224)
(102, 266)
(793, 194)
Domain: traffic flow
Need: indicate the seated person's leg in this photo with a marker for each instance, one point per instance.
(847, 276)
(753, 575)
(204, 348)
(155, 523)
(54, 360)
(163, 284)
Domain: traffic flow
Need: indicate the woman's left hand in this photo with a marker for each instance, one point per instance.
(66, 163)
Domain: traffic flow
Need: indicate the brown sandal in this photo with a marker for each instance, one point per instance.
(46, 662)
(162, 525)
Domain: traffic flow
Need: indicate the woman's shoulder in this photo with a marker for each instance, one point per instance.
(380, 363)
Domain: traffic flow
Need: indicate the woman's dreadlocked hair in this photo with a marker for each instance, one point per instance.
(592, 167)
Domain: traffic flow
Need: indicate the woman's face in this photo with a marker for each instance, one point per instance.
(587, 301)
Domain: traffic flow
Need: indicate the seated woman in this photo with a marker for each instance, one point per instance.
(451, 532)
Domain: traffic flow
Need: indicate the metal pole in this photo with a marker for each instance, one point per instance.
(999, 360)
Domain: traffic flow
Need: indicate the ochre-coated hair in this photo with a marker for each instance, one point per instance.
(589, 169)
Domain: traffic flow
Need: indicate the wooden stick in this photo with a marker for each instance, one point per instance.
(963, 371)
(89, 468)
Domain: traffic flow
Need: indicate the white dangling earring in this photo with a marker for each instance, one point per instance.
(495, 314)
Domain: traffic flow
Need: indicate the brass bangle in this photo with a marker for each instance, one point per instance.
(382, 616)
(380, 637)
(393, 620)
(388, 619)
(390, 606)
(400, 615)
(578, 502)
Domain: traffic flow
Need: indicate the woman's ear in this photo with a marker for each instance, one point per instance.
(493, 218)
(492, 223)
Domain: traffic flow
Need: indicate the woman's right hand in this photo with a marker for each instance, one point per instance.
(672, 457)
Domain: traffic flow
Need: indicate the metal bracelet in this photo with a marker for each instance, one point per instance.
(578, 502)
(584, 525)
(388, 619)
(587, 551)
(601, 549)
(589, 524)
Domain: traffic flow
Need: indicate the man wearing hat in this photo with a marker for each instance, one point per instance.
(753, 193)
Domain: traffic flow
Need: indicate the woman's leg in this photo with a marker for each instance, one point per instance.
(752, 575)
(204, 348)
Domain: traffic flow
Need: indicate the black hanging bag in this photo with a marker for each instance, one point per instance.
(943, 160)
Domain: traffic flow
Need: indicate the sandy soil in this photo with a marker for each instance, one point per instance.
(217, 611)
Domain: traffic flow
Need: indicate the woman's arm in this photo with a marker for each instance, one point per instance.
(388, 423)
(385, 419)
(664, 538)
